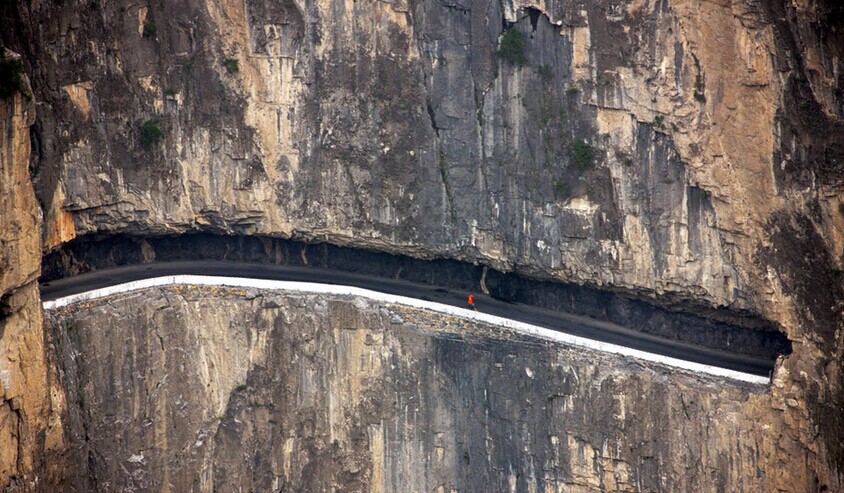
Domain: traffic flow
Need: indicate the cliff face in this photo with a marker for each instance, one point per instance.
(676, 149)
(25, 430)
(20, 230)
(634, 145)
(657, 147)
(188, 389)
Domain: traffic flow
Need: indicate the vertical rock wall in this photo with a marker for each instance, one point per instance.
(25, 426)
(629, 144)
(665, 147)
(199, 389)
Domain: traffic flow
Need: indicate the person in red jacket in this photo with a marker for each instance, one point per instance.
(472, 302)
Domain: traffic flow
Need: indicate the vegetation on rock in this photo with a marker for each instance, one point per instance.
(151, 132)
(149, 29)
(544, 73)
(231, 65)
(512, 47)
(583, 155)
(562, 189)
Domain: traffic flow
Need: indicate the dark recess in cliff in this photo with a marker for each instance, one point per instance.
(755, 336)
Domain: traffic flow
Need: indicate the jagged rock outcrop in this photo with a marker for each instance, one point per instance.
(208, 389)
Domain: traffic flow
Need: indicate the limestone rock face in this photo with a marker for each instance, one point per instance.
(653, 146)
(20, 215)
(25, 427)
(189, 389)
(679, 148)
(638, 145)
(31, 437)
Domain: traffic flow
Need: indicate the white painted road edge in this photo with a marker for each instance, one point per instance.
(335, 289)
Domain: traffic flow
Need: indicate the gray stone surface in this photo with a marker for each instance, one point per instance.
(392, 125)
(716, 130)
(186, 389)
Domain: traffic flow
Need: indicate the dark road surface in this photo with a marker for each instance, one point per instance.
(559, 321)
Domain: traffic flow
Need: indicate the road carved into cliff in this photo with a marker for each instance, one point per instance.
(550, 325)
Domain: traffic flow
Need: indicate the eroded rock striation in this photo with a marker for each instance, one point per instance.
(679, 149)
(637, 145)
(27, 427)
(208, 389)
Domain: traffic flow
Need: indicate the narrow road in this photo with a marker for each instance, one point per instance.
(559, 321)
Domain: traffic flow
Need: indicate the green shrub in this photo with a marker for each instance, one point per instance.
(11, 77)
(572, 90)
(659, 121)
(151, 133)
(231, 65)
(241, 388)
(149, 29)
(583, 155)
(562, 188)
(544, 72)
(512, 47)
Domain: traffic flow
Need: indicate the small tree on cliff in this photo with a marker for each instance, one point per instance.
(151, 132)
(512, 47)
